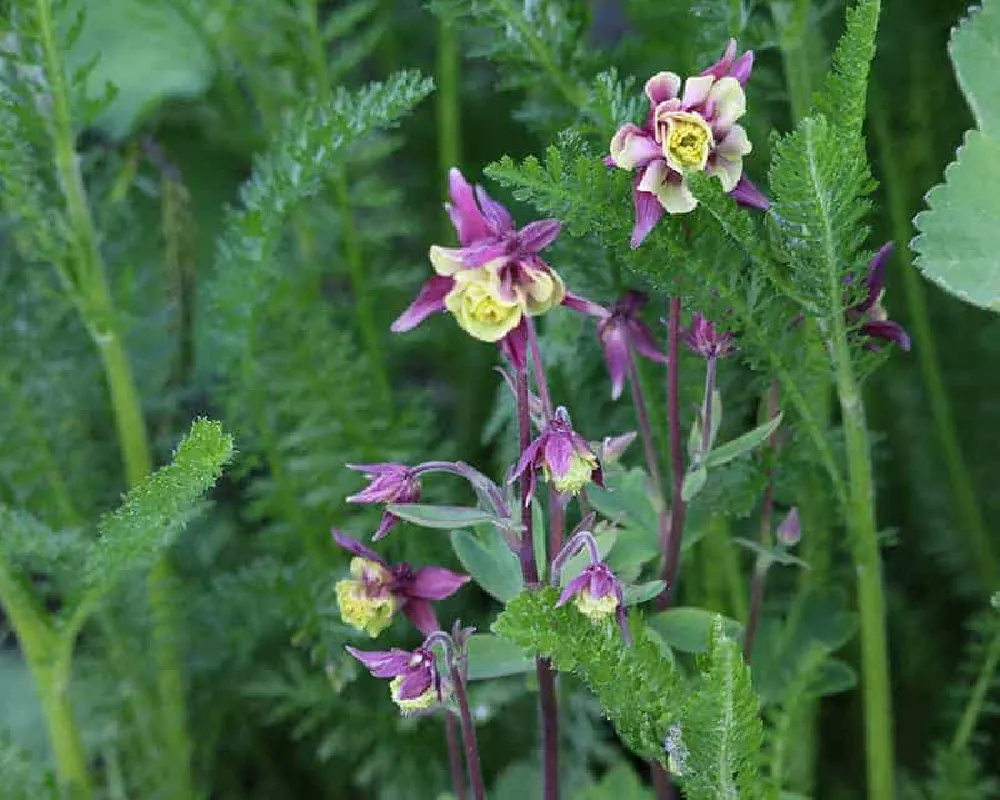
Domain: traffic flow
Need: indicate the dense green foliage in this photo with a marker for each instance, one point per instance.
(230, 233)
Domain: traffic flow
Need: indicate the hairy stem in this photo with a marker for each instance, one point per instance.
(468, 737)
(671, 548)
(975, 705)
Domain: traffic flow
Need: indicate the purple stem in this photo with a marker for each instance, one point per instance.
(468, 736)
(454, 756)
(642, 414)
(546, 680)
(675, 532)
(662, 784)
(759, 579)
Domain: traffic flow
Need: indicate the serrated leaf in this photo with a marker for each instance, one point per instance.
(959, 237)
(750, 440)
(154, 512)
(487, 558)
(494, 657)
(439, 517)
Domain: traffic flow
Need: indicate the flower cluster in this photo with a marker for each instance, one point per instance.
(691, 127)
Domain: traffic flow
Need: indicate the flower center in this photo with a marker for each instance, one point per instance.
(688, 142)
(581, 467)
(479, 307)
(410, 705)
(596, 608)
(365, 600)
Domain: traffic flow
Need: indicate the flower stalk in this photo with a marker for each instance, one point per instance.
(454, 756)
(670, 544)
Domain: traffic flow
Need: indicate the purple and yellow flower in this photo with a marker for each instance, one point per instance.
(620, 331)
(598, 594)
(416, 683)
(691, 127)
(705, 339)
(376, 590)
(564, 457)
(495, 279)
(390, 483)
(869, 315)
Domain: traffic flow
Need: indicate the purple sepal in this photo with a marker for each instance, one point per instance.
(356, 547)
(430, 300)
(747, 194)
(383, 663)
(648, 211)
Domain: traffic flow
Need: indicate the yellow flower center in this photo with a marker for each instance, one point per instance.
(479, 307)
(411, 704)
(596, 608)
(688, 141)
(581, 467)
(365, 602)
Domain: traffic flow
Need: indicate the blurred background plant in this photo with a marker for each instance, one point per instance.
(263, 178)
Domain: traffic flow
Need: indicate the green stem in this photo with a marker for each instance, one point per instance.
(101, 320)
(49, 664)
(867, 560)
(977, 539)
(975, 705)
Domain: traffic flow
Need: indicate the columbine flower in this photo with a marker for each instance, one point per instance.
(705, 339)
(416, 684)
(565, 458)
(872, 318)
(390, 483)
(376, 590)
(497, 275)
(596, 591)
(691, 127)
(621, 330)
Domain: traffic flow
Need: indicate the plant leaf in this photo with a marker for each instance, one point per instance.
(442, 517)
(494, 657)
(725, 453)
(487, 558)
(689, 629)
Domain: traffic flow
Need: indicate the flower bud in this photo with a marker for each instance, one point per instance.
(790, 530)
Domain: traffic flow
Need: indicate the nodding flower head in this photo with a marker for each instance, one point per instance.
(705, 339)
(390, 483)
(376, 590)
(596, 591)
(869, 314)
(621, 331)
(495, 278)
(691, 127)
(416, 685)
(564, 457)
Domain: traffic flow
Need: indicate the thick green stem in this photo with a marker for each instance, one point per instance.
(966, 505)
(867, 561)
(95, 302)
(49, 662)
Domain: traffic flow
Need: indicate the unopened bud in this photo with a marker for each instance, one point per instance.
(790, 529)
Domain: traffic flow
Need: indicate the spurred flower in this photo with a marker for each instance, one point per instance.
(495, 278)
(621, 330)
(564, 457)
(869, 314)
(416, 683)
(376, 590)
(691, 127)
(597, 592)
(390, 483)
(705, 339)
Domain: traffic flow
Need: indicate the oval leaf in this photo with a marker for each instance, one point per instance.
(743, 444)
(487, 558)
(442, 517)
(688, 629)
(493, 657)
(642, 592)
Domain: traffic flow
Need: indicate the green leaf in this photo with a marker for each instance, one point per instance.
(620, 783)
(489, 560)
(750, 440)
(494, 657)
(641, 592)
(959, 237)
(694, 482)
(975, 53)
(833, 677)
(689, 629)
(776, 554)
(143, 74)
(155, 511)
(441, 517)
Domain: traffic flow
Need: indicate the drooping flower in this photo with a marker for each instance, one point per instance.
(705, 339)
(376, 590)
(691, 126)
(869, 314)
(416, 683)
(620, 331)
(564, 457)
(390, 483)
(495, 278)
(596, 590)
